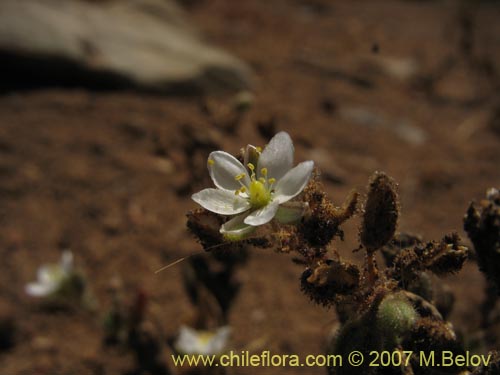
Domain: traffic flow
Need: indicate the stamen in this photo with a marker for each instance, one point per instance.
(272, 180)
(252, 169)
(241, 190)
(211, 162)
(258, 149)
(263, 180)
(239, 177)
(263, 172)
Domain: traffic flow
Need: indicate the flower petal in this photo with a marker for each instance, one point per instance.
(45, 273)
(251, 155)
(67, 262)
(221, 202)
(191, 341)
(277, 157)
(39, 289)
(219, 340)
(223, 168)
(291, 212)
(235, 229)
(263, 215)
(187, 342)
(293, 182)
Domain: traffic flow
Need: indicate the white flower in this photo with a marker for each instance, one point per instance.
(259, 192)
(191, 341)
(51, 276)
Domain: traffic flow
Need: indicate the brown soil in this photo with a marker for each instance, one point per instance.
(109, 174)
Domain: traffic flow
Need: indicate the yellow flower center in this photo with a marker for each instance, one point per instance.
(260, 196)
(205, 337)
(259, 192)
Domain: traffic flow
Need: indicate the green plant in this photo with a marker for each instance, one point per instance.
(399, 308)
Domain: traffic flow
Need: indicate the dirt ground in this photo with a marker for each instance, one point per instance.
(407, 87)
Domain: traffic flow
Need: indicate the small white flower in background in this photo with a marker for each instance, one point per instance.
(258, 192)
(51, 276)
(191, 341)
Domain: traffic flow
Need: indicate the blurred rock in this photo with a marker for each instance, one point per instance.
(403, 128)
(113, 44)
(402, 69)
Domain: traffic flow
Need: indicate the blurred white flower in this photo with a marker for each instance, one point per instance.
(258, 193)
(191, 341)
(50, 277)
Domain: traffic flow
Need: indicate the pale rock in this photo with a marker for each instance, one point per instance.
(145, 44)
